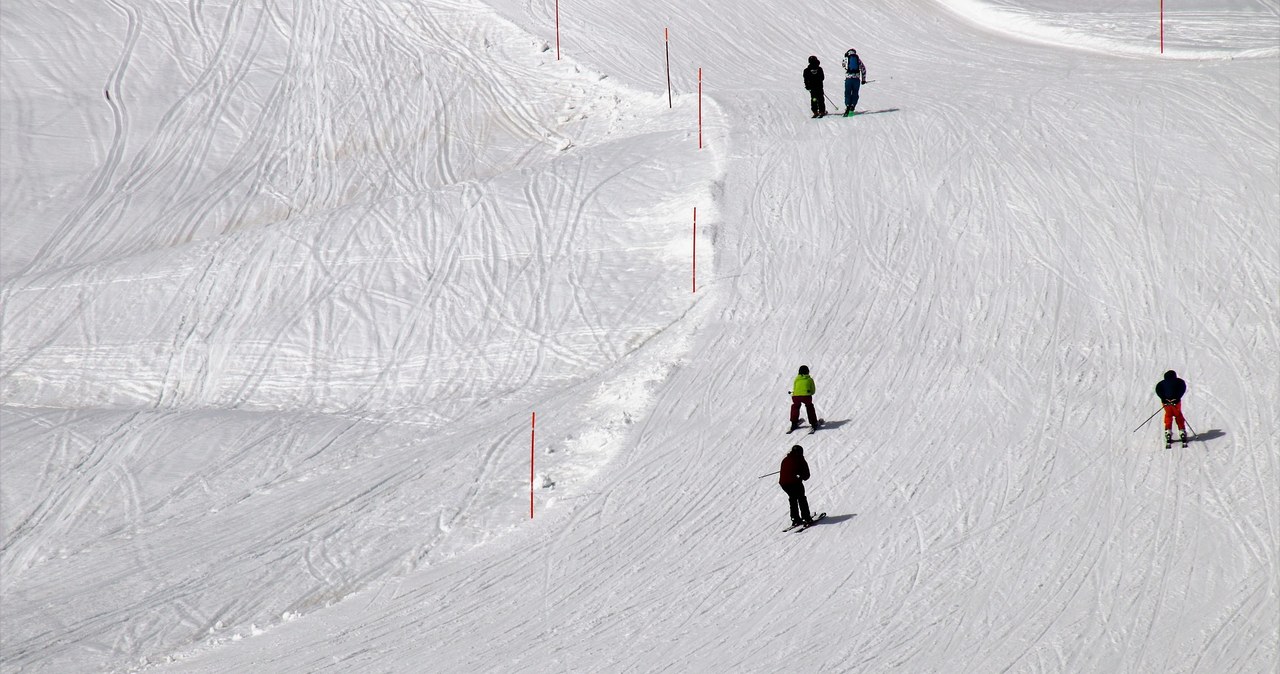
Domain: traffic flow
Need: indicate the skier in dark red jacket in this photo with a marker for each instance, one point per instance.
(795, 470)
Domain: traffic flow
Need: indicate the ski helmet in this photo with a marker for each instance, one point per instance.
(804, 369)
(813, 60)
(797, 449)
(1171, 375)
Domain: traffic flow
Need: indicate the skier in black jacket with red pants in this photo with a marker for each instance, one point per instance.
(1170, 391)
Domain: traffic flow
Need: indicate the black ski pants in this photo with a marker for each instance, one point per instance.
(799, 503)
(817, 100)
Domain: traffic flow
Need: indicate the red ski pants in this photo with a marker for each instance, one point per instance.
(1174, 411)
(807, 401)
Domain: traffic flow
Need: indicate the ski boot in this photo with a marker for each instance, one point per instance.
(1183, 437)
(1168, 438)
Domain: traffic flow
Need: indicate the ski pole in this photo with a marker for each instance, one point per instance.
(1153, 415)
(1193, 431)
(833, 103)
(768, 474)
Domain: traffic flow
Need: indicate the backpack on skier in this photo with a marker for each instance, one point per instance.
(853, 67)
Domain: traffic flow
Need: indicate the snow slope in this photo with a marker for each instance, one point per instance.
(1203, 29)
(304, 370)
(269, 358)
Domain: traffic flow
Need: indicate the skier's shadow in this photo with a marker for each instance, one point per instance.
(834, 423)
(876, 112)
(1210, 434)
(834, 519)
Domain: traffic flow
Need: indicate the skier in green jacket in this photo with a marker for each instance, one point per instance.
(802, 390)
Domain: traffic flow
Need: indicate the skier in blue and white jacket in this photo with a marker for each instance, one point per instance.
(855, 75)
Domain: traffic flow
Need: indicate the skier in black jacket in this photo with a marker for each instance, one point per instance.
(813, 82)
(1170, 391)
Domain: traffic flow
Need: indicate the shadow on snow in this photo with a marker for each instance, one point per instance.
(833, 519)
(1210, 434)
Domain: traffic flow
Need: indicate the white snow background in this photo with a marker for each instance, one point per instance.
(283, 284)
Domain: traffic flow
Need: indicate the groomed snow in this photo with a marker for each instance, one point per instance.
(1200, 29)
(283, 284)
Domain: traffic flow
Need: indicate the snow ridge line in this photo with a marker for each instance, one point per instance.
(1035, 27)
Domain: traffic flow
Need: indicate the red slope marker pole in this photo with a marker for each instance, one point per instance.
(699, 108)
(557, 30)
(533, 429)
(1161, 26)
(666, 42)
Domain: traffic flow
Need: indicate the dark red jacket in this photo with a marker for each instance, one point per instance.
(794, 469)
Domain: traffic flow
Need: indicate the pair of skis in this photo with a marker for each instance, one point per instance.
(1168, 440)
(812, 429)
(802, 525)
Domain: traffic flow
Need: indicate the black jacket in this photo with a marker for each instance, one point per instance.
(1171, 389)
(813, 77)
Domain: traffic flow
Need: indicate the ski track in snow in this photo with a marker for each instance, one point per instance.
(986, 272)
(376, 235)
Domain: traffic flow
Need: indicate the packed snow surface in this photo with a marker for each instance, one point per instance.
(306, 308)
(1193, 29)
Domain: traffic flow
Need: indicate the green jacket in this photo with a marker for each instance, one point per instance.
(803, 386)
